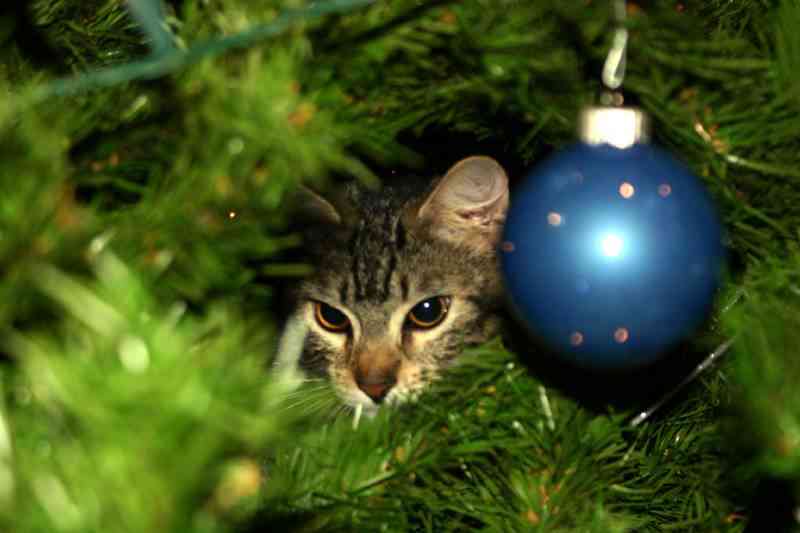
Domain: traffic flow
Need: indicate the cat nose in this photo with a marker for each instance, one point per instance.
(376, 375)
(376, 391)
(376, 386)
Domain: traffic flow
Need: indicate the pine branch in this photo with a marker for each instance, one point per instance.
(122, 412)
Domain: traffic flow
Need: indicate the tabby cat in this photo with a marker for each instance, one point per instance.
(405, 278)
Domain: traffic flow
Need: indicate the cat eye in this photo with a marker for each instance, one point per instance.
(330, 318)
(428, 313)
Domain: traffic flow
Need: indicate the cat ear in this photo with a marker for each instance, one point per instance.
(469, 204)
(312, 207)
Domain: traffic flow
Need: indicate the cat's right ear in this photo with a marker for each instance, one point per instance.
(313, 208)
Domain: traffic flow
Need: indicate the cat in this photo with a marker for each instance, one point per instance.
(405, 278)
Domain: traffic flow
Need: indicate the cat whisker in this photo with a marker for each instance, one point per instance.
(341, 410)
(302, 394)
(314, 380)
(305, 401)
(304, 390)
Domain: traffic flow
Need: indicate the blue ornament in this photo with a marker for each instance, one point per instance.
(612, 250)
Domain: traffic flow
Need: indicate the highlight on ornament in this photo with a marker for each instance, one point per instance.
(611, 245)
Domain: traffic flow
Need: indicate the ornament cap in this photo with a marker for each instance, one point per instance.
(621, 127)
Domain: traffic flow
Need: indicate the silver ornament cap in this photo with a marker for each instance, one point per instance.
(621, 127)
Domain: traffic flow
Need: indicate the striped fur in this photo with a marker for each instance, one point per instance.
(374, 266)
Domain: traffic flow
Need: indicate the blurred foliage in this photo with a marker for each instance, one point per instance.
(124, 401)
(142, 201)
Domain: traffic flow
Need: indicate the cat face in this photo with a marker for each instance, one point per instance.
(405, 278)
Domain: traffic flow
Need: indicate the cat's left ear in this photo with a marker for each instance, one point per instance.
(310, 207)
(469, 204)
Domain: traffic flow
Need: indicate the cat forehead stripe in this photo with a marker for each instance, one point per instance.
(374, 252)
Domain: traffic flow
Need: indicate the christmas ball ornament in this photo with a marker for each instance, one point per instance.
(612, 250)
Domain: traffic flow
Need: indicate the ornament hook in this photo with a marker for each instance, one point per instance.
(614, 66)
